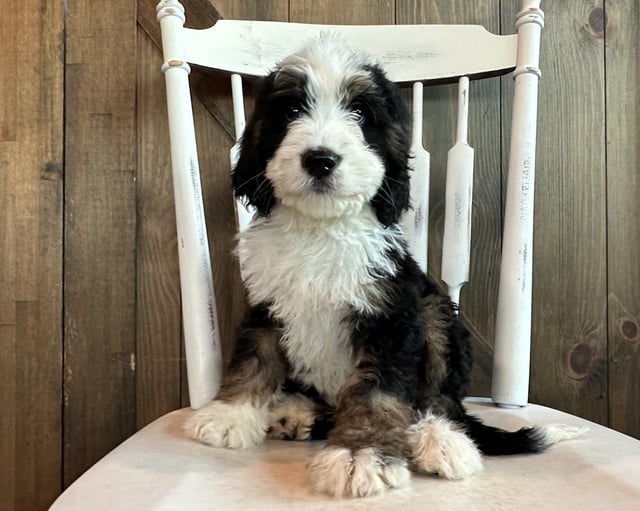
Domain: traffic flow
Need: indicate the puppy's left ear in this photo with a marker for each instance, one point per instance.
(392, 199)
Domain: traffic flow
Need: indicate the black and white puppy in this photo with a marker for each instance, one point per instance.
(346, 338)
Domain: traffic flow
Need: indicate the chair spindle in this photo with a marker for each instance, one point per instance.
(456, 244)
(415, 222)
(200, 322)
(510, 380)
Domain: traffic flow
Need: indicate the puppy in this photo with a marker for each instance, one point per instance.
(346, 339)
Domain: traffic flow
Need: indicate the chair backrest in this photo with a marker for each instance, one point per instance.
(410, 54)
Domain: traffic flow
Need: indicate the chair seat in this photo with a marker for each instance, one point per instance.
(159, 468)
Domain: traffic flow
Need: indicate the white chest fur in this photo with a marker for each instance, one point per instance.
(314, 274)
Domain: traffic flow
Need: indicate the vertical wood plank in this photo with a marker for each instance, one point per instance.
(569, 343)
(158, 318)
(100, 219)
(266, 10)
(479, 296)
(31, 143)
(356, 12)
(623, 230)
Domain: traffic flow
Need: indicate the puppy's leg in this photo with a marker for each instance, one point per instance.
(238, 417)
(439, 442)
(367, 449)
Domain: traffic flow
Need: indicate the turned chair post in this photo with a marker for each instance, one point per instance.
(510, 381)
(201, 332)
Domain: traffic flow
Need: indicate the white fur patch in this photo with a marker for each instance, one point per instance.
(440, 447)
(554, 433)
(340, 473)
(227, 425)
(314, 274)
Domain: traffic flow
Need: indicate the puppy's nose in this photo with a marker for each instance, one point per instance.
(320, 162)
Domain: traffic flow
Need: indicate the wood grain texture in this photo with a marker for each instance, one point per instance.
(568, 362)
(31, 144)
(158, 318)
(336, 12)
(265, 10)
(623, 208)
(479, 296)
(100, 220)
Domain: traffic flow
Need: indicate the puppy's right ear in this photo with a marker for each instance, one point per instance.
(248, 177)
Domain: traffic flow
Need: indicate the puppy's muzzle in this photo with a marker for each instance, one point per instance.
(320, 162)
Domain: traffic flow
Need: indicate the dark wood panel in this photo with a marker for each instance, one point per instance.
(31, 254)
(158, 318)
(479, 296)
(568, 363)
(100, 219)
(623, 230)
(337, 12)
(265, 10)
(8, 481)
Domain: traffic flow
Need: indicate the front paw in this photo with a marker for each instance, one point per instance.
(222, 424)
(441, 447)
(340, 472)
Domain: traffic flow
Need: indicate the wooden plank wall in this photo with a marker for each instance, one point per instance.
(622, 52)
(100, 227)
(31, 248)
(90, 328)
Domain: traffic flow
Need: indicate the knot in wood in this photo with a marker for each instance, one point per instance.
(580, 360)
(629, 329)
(598, 21)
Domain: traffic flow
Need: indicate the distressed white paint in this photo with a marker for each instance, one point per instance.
(201, 334)
(415, 222)
(510, 383)
(456, 243)
(409, 53)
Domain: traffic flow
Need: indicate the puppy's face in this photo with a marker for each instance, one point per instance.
(328, 136)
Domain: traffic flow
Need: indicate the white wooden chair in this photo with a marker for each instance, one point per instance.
(160, 468)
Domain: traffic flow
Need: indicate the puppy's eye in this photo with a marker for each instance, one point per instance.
(358, 113)
(293, 110)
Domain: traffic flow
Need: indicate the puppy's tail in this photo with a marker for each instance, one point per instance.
(495, 441)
